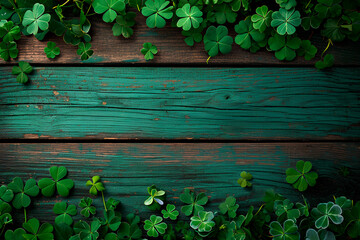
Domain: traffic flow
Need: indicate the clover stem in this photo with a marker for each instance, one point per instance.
(2, 230)
(327, 47)
(25, 214)
(102, 193)
(207, 61)
(259, 209)
(138, 7)
(308, 4)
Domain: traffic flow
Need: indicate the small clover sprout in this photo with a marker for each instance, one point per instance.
(301, 177)
(244, 179)
(51, 50)
(229, 206)
(22, 72)
(155, 226)
(170, 212)
(149, 51)
(156, 198)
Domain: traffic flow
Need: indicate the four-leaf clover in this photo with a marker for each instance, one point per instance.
(87, 207)
(84, 51)
(194, 203)
(301, 177)
(170, 212)
(110, 8)
(154, 226)
(286, 21)
(63, 186)
(284, 47)
(157, 11)
(23, 193)
(262, 19)
(189, 17)
(51, 50)
(202, 221)
(36, 19)
(216, 39)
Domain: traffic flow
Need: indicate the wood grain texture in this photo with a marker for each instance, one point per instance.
(128, 168)
(181, 103)
(172, 50)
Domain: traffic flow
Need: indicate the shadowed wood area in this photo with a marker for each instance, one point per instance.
(109, 49)
(181, 103)
(128, 168)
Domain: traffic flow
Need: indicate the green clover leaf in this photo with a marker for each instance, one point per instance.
(35, 231)
(216, 39)
(8, 50)
(63, 186)
(110, 8)
(189, 17)
(289, 230)
(307, 50)
(5, 214)
(328, 8)
(17, 234)
(149, 51)
(224, 13)
(202, 221)
(111, 204)
(284, 210)
(63, 231)
(86, 231)
(195, 204)
(21, 71)
(157, 11)
(312, 234)
(284, 47)
(170, 233)
(84, 51)
(247, 35)
(262, 19)
(36, 19)
(111, 220)
(170, 212)
(96, 185)
(23, 193)
(87, 207)
(270, 198)
(354, 225)
(326, 212)
(287, 4)
(301, 177)
(155, 226)
(237, 4)
(286, 21)
(244, 179)
(192, 36)
(51, 50)
(333, 30)
(65, 212)
(229, 206)
(6, 194)
(130, 229)
(9, 32)
(123, 25)
(327, 62)
(343, 202)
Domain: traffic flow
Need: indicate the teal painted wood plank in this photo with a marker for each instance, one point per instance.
(128, 168)
(181, 103)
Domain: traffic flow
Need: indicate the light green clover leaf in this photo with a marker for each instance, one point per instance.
(36, 19)
(110, 8)
(244, 179)
(326, 212)
(96, 185)
(170, 212)
(155, 226)
(262, 19)
(189, 17)
(202, 221)
(286, 21)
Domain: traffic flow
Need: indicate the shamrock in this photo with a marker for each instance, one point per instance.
(123, 25)
(262, 19)
(21, 71)
(307, 50)
(87, 208)
(312, 234)
(23, 193)
(284, 208)
(86, 231)
(130, 229)
(96, 185)
(289, 230)
(343, 202)
(5, 217)
(189, 17)
(326, 211)
(216, 39)
(327, 62)
(328, 8)
(354, 224)
(286, 21)
(194, 203)
(247, 35)
(170, 212)
(236, 5)
(111, 220)
(51, 50)
(111, 204)
(6, 194)
(84, 51)
(244, 180)
(229, 206)
(224, 13)
(202, 221)
(286, 4)
(192, 36)
(64, 212)
(17, 234)
(157, 11)
(284, 47)
(35, 231)
(36, 19)
(333, 30)
(301, 177)
(110, 8)
(9, 32)
(149, 51)
(8, 50)
(154, 226)
(63, 186)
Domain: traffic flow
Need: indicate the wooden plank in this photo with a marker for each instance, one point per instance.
(172, 50)
(181, 103)
(128, 168)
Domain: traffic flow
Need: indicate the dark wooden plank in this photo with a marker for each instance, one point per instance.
(172, 49)
(181, 103)
(128, 168)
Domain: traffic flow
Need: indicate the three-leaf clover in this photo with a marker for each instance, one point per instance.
(36, 19)
(343, 202)
(157, 11)
(284, 47)
(326, 212)
(96, 185)
(216, 39)
(84, 51)
(110, 8)
(65, 212)
(262, 19)
(86, 231)
(229, 206)
(21, 71)
(327, 62)
(8, 50)
(202, 221)
(244, 179)
(307, 50)
(87, 207)
(63, 186)
(9, 32)
(111, 220)
(129, 231)
(195, 204)
(149, 51)
(154, 226)
(6, 194)
(192, 36)
(289, 230)
(51, 50)
(170, 212)
(23, 193)
(123, 25)
(17, 234)
(189, 17)
(312, 234)
(284, 208)
(247, 34)
(301, 177)
(37, 232)
(286, 21)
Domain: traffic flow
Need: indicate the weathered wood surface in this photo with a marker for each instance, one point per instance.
(172, 50)
(128, 168)
(181, 103)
